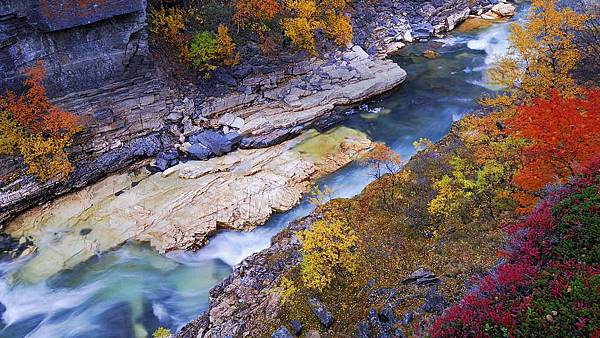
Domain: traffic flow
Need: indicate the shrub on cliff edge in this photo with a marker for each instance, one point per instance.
(37, 130)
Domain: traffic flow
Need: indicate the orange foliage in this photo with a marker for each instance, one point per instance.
(563, 135)
(382, 160)
(36, 129)
(247, 11)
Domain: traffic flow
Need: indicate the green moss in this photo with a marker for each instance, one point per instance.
(318, 146)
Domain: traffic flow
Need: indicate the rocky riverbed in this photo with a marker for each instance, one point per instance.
(181, 207)
(132, 109)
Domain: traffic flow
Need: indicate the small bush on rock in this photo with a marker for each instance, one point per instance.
(32, 127)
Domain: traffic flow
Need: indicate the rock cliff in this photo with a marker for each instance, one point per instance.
(99, 67)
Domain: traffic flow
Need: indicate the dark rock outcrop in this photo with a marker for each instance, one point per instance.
(318, 308)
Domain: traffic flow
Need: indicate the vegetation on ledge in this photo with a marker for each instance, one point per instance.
(426, 236)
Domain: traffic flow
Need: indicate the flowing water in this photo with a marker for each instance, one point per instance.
(132, 290)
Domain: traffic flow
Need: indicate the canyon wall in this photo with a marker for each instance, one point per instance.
(100, 67)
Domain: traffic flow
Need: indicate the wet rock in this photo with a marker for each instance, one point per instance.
(318, 308)
(282, 332)
(296, 327)
(431, 54)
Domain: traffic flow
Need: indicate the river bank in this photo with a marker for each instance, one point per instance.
(397, 119)
(132, 109)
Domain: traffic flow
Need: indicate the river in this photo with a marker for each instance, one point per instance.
(130, 291)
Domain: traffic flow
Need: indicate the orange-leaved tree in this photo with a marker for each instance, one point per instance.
(563, 135)
(383, 161)
(36, 129)
(254, 11)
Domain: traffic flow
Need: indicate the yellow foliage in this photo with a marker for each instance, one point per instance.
(328, 247)
(11, 133)
(542, 55)
(338, 28)
(168, 24)
(448, 200)
(226, 52)
(286, 289)
(301, 32)
(32, 127)
(308, 16)
(45, 157)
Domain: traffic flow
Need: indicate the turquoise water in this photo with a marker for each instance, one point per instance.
(130, 291)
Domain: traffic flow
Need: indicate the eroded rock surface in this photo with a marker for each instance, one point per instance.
(181, 207)
(99, 66)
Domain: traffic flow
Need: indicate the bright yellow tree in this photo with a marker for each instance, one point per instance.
(328, 248)
(542, 56)
(307, 16)
(226, 47)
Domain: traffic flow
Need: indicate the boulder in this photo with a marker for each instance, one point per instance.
(504, 9)
(325, 317)
(387, 315)
(166, 159)
(422, 31)
(312, 334)
(232, 121)
(296, 327)
(199, 152)
(421, 277)
(282, 332)
(217, 143)
(434, 302)
(362, 330)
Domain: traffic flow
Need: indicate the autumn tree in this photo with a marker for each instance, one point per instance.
(301, 27)
(226, 47)
(562, 135)
(382, 160)
(328, 249)
(204, 51)
(247, 12)
(36, 129)
(471, 190)
(308, 16)
(542, 55)
(168, 25)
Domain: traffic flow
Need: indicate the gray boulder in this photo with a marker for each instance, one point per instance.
(217, 143)
(282, 332)
(199, 152)
(319, 309)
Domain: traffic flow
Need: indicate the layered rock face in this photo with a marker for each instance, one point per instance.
(99, 67)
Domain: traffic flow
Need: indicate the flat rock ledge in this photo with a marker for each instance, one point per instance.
(181, 207)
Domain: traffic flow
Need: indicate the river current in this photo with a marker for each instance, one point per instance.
(130, 291)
